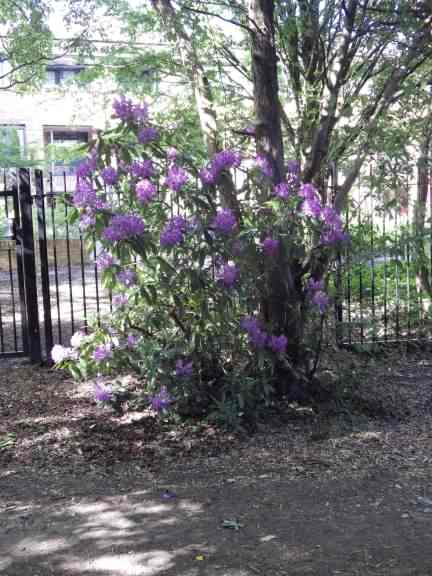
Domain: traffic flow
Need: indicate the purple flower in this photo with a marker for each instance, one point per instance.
(228, 274)
(84, 195)
(109, 175)
(123, 108)
(309, 192)
(126, 110)
(223, 160)
(142, 169)
(176, 178)
(314, 285)
(145, 191)
(173, 231)
(282, 190)
(171, 154)
(119, 300)
(250, 130)
(293, 167)
(123, 226)
(263, 163)
(87, 219)
(321, 300)
(312, 208)
(102, 393)
(224, 222)
(161, 401)
(270, 246)
(132, 340)
(102, 352)
(257, 337)
(333, 227)
(183, 368)
(278, 343)
(147, 134)
(127, 277)
(104, 261)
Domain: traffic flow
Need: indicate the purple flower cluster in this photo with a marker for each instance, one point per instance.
(224, 222)
(87, 218)
(102, 352)
(120, 300)
(126, 110)
(258, 338)
(183, 369)
(315, 291)
(102, 393)
(104, 260)
(278, 344)
(293, 167)
(84, 195)
(223, 160)
(142, 169)
(127, 277)
(282, 190)
(270, 246)
(264, 165)
(132, 341)
(333, 228)
(176, 178)
(228, 274)
(123, 226)
(162, 400)
(311, 205)
(173, 231)
(109, 175)
(145, 191)
(147, 134)
(171, 154)
(86, 168)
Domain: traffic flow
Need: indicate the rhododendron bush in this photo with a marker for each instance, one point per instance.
(192, 280)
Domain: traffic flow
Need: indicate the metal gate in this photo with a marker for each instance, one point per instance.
(19, 318)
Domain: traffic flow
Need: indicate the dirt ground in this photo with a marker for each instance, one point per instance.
(347, 492)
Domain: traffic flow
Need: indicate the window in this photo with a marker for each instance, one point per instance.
(12, 144)
(58, 74)
(63, 147)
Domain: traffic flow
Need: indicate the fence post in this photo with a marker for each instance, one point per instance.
(30, 283)
(44, 266)
(338, 279)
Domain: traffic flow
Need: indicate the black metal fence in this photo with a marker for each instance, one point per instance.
(50, 286)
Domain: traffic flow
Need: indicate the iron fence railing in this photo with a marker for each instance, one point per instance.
(50, 286)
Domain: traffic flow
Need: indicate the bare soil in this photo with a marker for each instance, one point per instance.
(347, 491)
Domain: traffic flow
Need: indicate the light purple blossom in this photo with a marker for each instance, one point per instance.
(120, 300)
(142, 169)
(321, 300)
(123, 226)
(132, 340)
(333, 227)
(102, 393)
(171, 154)
(176, 178)
(264, 165)
(84, 195)
(224, 222)
(162, 400)
(126, 110)
(228, 274)
(293, 167)
(86, 168)
(223, 160)
(173, 231)
(127, 277)
(145, 191)
(102, 352)
(270, 246)
(104, 261)
(77, 338)
(87, 218)
(250, 130)
(147, 134)
(60, 353)
(109, 175)
(257, 337)
(278, 343)
(312, 208)
(183, 369)
(282, 190)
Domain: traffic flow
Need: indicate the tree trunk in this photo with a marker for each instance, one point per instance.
(423, 283)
